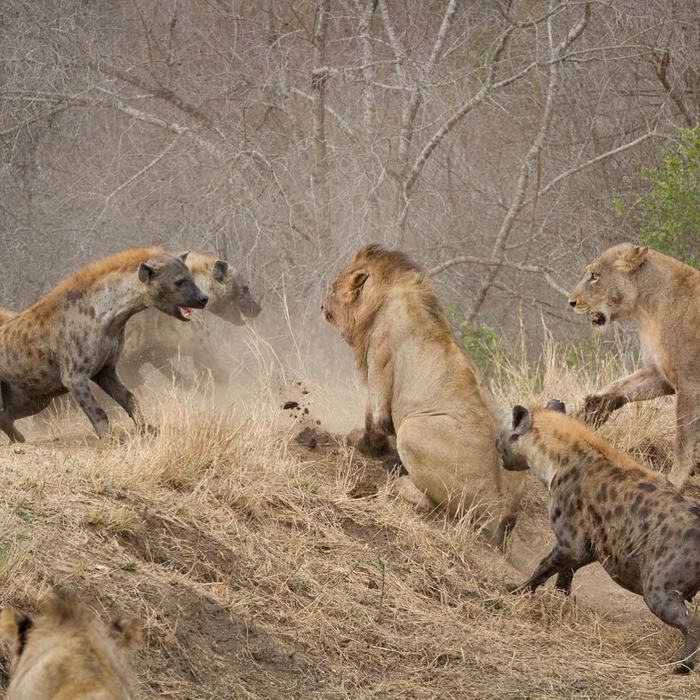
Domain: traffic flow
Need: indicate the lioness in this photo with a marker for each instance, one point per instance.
(66, 653)
(422, 387)
(662, 296)
(606, 507)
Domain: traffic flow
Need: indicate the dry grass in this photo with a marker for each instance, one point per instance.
(258, 575)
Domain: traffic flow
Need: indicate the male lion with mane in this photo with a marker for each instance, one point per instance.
(662, 296)
(423, 388)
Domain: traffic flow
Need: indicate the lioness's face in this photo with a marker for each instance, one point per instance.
(343, 299)
(607, 290)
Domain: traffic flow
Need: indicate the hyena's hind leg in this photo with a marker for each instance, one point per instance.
(668, 606)
(14, 405)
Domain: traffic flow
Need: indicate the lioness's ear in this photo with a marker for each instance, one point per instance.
(632, 258)
(129, 635)
(14, 626)
(522, 420)
(556, 405)
(359, 278)
(146, 272)
(183, 256)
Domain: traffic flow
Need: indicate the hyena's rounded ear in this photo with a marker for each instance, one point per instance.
(14, 626)
(147, 271)
(358, 279)
(522, 420)
(183, 256)
(129, 635)
(556, 405)
(632, 258)
(220, 270)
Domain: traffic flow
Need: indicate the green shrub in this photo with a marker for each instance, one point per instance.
(669, 214)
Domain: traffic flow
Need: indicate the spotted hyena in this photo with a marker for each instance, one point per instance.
(160, 341)
(606, 507)
(75, 334)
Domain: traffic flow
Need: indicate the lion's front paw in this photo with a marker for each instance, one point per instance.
(383, 422)
(369, 443)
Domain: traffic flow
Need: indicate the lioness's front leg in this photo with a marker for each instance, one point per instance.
(687, 457)
(644, 384)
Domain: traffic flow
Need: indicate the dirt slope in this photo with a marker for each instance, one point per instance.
(264, 569)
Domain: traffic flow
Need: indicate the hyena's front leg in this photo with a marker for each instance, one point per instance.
(79, 388)
(642, 385)
(108, 380)
(687, 454)
(558, 561)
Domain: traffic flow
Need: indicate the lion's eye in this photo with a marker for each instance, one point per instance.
(594, 277)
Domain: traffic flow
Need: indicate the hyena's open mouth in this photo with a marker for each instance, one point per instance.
(184, 312)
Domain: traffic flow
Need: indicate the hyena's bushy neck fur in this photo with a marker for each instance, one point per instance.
(117, 300)
(557, 443)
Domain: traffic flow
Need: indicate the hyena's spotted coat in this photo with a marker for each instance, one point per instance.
(75, 334)
(606, 507)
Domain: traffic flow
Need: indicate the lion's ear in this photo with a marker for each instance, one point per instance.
(632, 258)
(358, 279)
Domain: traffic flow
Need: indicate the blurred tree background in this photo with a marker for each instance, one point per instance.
(497, 142)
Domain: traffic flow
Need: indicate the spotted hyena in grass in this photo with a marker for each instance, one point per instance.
(75, 334)
(160, 341)
(606, 507)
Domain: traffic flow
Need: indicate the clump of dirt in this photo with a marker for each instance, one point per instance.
(311, 437)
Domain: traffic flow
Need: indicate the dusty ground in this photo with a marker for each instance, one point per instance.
(266, 569)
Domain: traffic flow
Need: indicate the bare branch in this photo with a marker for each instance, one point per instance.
(319, 77)
(533, 154)
(661, 64)
(593, 161)
(347, 129)
(487, 262)
(158, 91)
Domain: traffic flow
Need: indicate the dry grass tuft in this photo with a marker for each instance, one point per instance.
(264, 569)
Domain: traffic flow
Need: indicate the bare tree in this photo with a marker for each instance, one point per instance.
(471, 134)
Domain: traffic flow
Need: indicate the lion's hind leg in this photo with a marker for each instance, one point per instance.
(406, 490)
